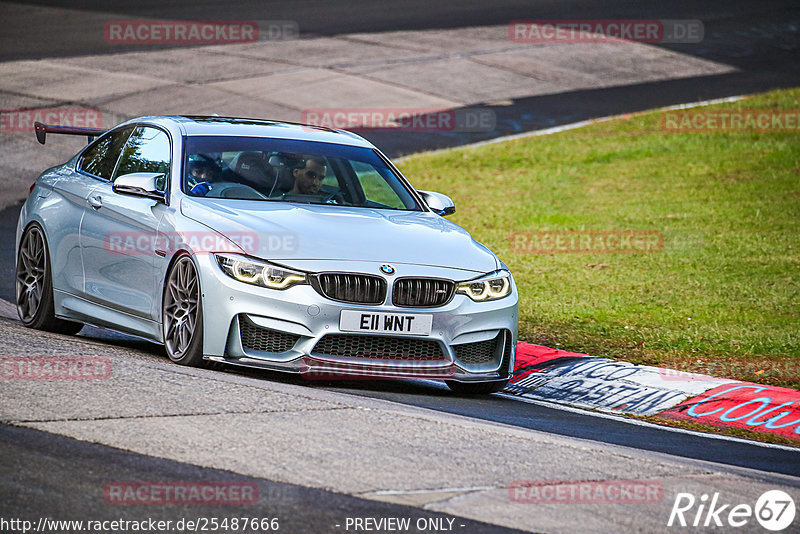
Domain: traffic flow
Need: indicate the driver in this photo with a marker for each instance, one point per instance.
(201, 174)
(308, 176)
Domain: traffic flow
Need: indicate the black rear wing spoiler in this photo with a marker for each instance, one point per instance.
(43, 129)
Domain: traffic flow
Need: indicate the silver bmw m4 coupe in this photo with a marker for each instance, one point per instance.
(263, 244)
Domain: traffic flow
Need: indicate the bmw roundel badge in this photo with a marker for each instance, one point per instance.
(387, 269)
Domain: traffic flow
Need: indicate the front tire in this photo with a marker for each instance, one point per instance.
(182, 314)
(34, 285)
(476, 388)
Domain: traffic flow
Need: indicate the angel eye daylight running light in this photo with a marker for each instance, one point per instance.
(258, 273)
(491, 287)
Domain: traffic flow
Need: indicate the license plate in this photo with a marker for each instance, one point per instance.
(394, 323)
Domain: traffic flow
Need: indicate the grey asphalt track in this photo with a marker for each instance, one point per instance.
(51, 476)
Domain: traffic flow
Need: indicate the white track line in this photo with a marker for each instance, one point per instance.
(585, 411)
(574, 125)
(639, 422)
(426, 491)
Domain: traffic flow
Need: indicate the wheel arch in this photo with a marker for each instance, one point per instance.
(173, 260)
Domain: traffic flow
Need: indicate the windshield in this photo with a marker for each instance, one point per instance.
(281, 170)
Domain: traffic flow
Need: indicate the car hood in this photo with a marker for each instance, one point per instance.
(286, 232)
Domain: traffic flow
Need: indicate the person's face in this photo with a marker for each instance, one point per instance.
(202, 174)
(309, 179)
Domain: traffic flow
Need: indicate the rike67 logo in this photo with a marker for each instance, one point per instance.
(774, 510)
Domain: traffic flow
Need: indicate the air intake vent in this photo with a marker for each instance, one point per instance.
(261, 339)
(422, 292)
(481, 352)
(379, 347)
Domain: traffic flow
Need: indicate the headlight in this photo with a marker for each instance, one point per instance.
(490, 287)
(258, 273)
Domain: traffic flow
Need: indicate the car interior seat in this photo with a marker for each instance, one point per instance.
(283, 170)
(254, 171)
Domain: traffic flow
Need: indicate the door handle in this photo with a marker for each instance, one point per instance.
(96, 202)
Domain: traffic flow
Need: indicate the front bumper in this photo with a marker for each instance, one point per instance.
(297, 330)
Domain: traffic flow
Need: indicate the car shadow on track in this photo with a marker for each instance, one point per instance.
(407, 387)
(503, 409)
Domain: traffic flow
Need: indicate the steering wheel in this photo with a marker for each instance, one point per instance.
(334, 197)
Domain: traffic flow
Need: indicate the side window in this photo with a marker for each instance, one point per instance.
(330, 179)
(375, 187)
(147, 150)
(101, 158)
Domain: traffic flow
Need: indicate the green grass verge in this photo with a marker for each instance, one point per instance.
(726, 284)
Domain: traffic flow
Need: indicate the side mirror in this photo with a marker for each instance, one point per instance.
(438, 203)
(140, 184)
